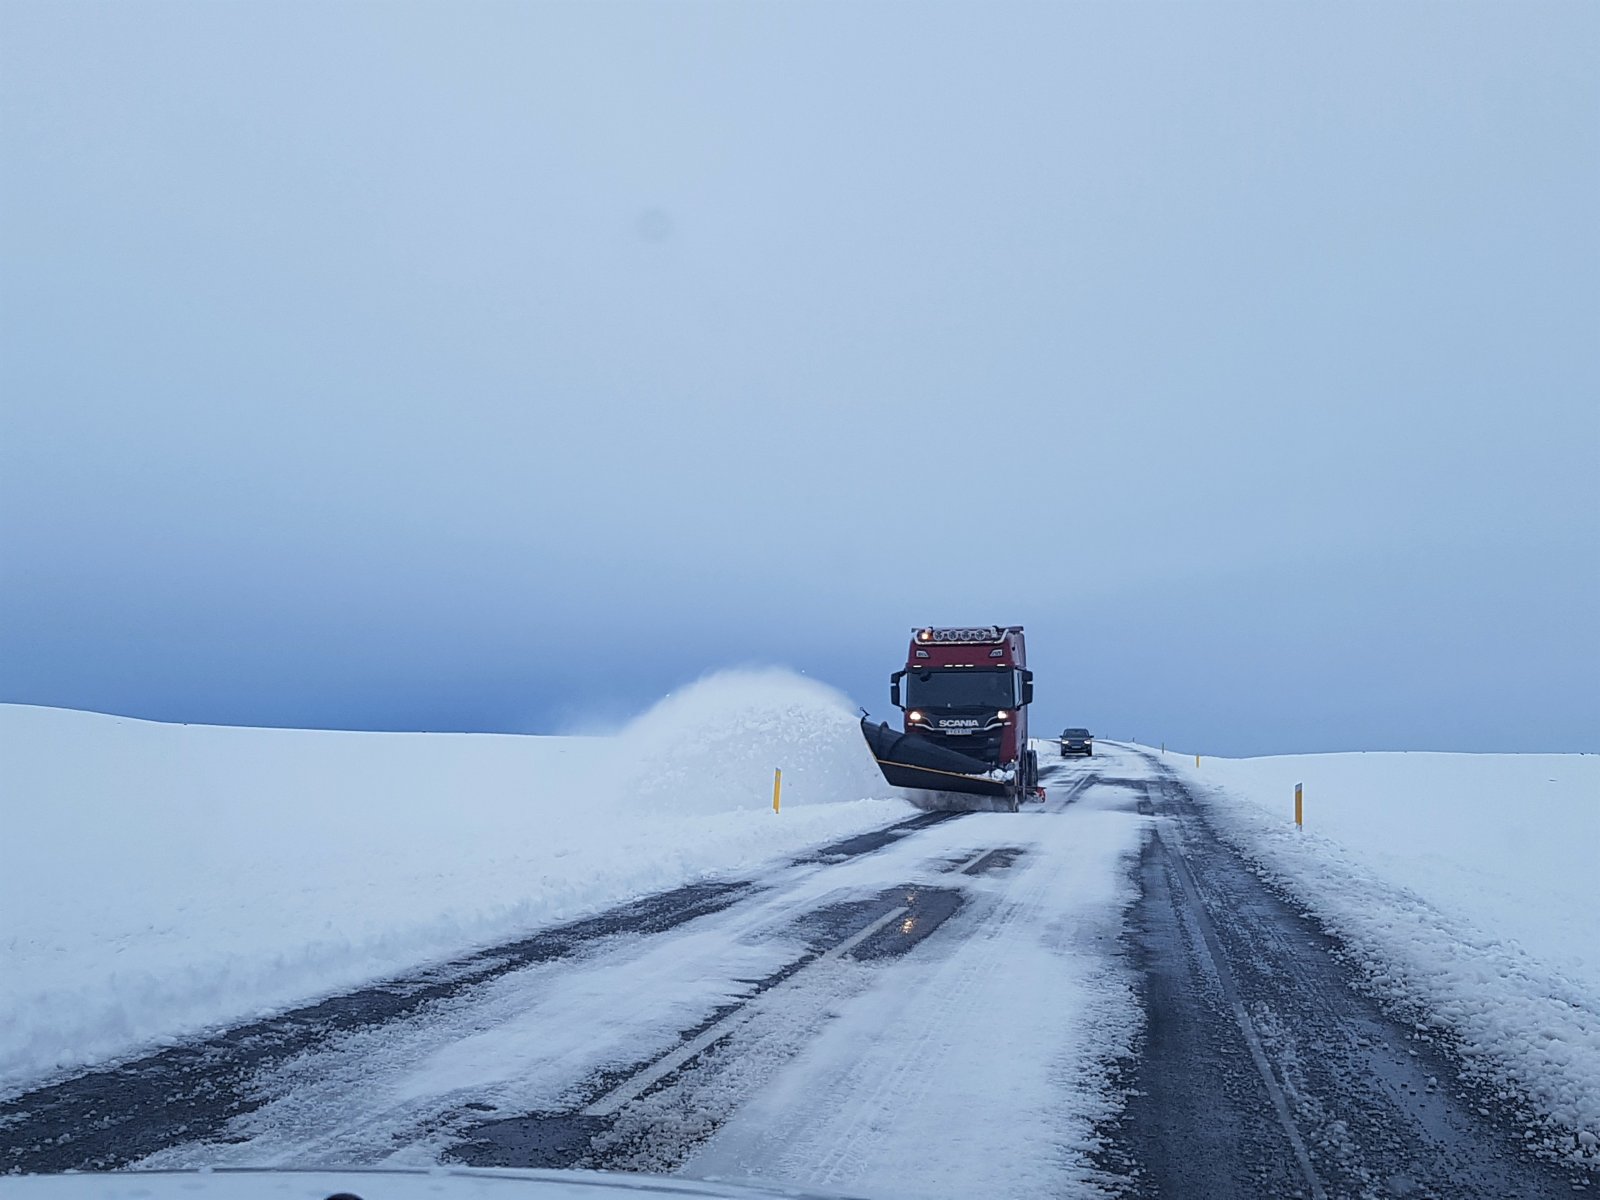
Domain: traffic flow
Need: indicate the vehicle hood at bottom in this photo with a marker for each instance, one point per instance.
(440, 1183)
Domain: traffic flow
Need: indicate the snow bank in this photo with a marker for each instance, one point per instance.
(157, 880)
(1467, 885)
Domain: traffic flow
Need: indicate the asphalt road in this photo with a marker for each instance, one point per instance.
(1260, 1069)
(1264, 1071)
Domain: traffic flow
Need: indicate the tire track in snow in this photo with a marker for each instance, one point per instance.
(981, 1065)
(603, 1133)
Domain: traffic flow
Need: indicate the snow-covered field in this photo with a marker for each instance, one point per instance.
(1468, 885)
(157, 880)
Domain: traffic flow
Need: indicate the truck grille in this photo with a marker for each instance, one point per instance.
(978, 745)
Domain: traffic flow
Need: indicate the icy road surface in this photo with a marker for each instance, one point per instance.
(1093, 997)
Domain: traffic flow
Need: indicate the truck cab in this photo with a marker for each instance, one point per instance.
(968, 688)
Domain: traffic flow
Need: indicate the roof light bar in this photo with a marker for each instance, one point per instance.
(961, 634)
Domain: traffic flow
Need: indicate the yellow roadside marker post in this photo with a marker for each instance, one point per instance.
(1299, 809)
(1197, 760)
(777, 787)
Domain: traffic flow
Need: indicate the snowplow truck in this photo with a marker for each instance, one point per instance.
(964, 693)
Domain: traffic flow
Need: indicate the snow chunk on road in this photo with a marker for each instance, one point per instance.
(157, 880)
(1467, 886)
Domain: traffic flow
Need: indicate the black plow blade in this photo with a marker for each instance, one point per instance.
(910, 761)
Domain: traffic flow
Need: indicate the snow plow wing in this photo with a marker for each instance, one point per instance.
(910, 761)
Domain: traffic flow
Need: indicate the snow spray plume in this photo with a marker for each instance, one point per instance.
(712, 746)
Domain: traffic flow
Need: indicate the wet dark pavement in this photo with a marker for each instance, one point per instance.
(1265, 1073)
(873, 839)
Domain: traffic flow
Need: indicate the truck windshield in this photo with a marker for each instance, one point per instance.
(961, 689)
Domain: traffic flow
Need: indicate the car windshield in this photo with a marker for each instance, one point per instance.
(1074, 733)
(961, 689)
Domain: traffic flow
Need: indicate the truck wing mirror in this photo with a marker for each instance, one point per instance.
(894, 688)
(1027, 687)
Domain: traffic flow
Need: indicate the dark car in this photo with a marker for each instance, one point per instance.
(1076, 741)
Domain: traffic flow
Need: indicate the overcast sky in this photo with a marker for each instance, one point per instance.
(503, 366)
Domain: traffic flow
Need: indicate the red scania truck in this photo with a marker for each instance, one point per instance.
(965, 692)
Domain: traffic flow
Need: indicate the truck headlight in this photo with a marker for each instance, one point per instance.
(913, 715)
(1002, 714)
